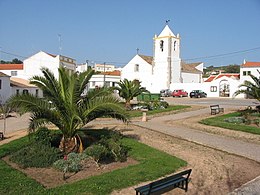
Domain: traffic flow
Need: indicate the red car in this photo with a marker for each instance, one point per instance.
(179, 93)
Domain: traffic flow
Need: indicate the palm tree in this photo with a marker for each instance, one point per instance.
(66, 106)
(251, 89)
(128, 90)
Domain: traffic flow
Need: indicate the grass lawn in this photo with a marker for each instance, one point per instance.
(218, 121)
(152, 165)
(137, 113)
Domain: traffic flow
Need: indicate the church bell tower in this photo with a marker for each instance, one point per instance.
(167, 62)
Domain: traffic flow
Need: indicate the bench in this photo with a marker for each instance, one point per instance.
(215, 109)
(179, 180)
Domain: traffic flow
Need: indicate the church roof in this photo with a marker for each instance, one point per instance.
(190, 68)
(166, 32)
(148, 59)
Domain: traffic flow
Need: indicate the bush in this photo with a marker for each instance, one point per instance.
(70, 163)
(42, 135)
(36, 155)
(236, 120)
(116, 150)
(97, 152)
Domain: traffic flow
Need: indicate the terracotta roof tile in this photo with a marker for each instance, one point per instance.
(113, 73)
(251, 64)
(230, 75)
(148, 59)
(11, 66)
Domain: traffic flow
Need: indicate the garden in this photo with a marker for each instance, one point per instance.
(246, 120)
(144, 163)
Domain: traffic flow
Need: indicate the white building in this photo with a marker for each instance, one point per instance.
(165, 68)
(33, 64)
(14, 70)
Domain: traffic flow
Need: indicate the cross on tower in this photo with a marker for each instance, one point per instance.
(167, 21)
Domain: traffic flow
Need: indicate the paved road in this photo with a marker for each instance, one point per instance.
(14, 123)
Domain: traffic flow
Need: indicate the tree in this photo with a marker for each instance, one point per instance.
(129, 89)
(251, 89)
(232, 68)
(14, 61)
(66, 106)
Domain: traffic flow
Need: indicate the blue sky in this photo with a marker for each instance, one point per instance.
(111, 30)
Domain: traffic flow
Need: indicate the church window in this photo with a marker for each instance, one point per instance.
(174, 45)
(136, 68)
(161, 45)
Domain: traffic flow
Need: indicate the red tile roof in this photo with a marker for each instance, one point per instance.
(214, 77)
(251, 64)
(113, 73)
(11, 66)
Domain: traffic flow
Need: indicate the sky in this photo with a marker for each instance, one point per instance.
(217, 33)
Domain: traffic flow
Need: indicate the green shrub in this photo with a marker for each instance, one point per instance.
(36, 155)
(42, 135)
(70, 163)
(236, 120)
(97, 152)
(116, 150)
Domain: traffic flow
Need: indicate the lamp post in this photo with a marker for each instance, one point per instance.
(104, 74)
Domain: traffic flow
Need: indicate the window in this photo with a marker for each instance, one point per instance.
(174, 45)
(136, 68)
(37, 92)
(213, 89)
(107, 84)
(25, 91)
(246, 73)
(161, 45)
(13, 73)
(17, 91)
(93, 83)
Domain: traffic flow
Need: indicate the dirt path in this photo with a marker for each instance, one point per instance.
(212, 169)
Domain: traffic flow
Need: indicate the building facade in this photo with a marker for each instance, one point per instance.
(165, 68)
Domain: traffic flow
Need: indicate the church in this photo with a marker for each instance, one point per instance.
(165, 68)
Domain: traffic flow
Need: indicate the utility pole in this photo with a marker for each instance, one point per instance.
(60, 48)
(104, 74)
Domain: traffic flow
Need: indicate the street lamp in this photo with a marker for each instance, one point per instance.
(104, 73)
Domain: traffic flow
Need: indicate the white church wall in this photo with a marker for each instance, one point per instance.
(190, 77)
(138, 69)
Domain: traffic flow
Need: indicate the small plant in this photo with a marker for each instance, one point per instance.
(236, 120)
(70, 163)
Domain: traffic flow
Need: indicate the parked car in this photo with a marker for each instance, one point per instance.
(179, 93)
(197, 94)
(165, 92)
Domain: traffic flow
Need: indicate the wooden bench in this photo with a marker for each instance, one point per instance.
(179, 180)
(215, 109)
